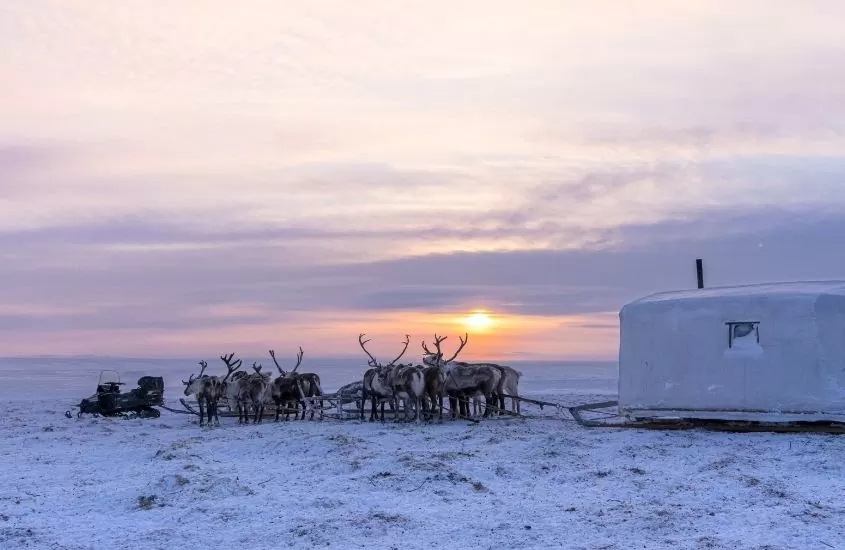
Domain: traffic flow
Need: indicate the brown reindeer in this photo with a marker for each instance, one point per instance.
(508, 377)
(308, 381)
(434, 380)
(287, 390)
(373, 386)
(207, 390)
(464, 380)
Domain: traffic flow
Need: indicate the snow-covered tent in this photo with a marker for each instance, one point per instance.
(768, 352)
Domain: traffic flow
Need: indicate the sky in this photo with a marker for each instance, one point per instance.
(180, 179)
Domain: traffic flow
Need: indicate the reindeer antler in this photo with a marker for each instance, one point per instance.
(425, 348)
(406, 342)
(231, 366)
(463, 340)
(363, 344)
(191, 377)
(437, 341)
(299, 357)
(256, 367)
(273, 355)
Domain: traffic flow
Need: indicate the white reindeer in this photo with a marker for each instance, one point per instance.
(232, 386)
(406, 383)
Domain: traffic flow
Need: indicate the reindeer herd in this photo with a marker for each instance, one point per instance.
(417, 389)
(253, 390)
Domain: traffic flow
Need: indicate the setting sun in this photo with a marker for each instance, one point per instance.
(478, 321)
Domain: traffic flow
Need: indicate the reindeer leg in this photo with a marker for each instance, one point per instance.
(488, 404)
(314, 405)
(201, 404)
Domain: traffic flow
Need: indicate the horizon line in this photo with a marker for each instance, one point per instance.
(325, 357)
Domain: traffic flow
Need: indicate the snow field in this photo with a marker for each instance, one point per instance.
(166, 483)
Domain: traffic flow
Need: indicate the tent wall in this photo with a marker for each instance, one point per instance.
(675, 358)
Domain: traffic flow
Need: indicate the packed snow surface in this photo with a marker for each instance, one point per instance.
(518, 483)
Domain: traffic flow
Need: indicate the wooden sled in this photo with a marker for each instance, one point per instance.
(596, 415)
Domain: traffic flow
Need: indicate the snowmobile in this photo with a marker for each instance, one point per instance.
(109, 401)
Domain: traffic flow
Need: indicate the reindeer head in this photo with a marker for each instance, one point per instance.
(257, 368)
(435, 358)
(191, 385)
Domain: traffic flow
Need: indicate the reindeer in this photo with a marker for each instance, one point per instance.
(463, 379)
(233, 384)
(508, 380)
(309, 383)
(254, 391)
(287, 388)
(434, 381)
(509, 386)
(406, 383)
(373, 386)
(207, 390)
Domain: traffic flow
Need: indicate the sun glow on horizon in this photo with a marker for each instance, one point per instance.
(478, 321)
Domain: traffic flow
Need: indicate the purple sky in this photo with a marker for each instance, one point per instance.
(194, 177)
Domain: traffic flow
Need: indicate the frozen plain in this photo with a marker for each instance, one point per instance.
(166, 483)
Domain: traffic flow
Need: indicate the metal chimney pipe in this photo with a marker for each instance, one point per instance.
(699, 268)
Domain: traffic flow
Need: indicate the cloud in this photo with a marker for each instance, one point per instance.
(171, 289)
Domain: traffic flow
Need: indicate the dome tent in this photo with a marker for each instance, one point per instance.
(768, 352)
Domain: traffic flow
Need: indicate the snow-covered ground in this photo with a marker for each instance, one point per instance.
(166, 483)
